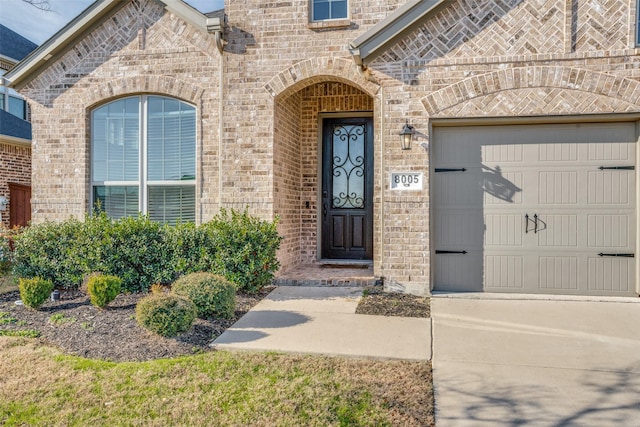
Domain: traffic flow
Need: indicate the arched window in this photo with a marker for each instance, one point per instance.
(143, 158)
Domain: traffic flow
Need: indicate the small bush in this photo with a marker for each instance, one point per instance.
(5, 255)
(103, 289)
(165, 314)
(213, 295)
(247, 248)
(34, 292)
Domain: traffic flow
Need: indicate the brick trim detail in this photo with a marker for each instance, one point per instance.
(317, 70)
(532, 77)
(166, 85)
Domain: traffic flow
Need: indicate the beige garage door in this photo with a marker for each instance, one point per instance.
(535, 208)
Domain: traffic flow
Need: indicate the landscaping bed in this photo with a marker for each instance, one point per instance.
(77, 327)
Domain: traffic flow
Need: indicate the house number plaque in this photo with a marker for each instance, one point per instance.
(406, 180)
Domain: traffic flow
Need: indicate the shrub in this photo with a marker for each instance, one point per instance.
(34, 292)
(193, 248)
(135, 249)
(247, 248)
(5, 255)
(165, 314)
(213, 295)
(103, 289)
(51, 251)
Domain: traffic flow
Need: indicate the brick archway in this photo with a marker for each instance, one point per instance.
(612, 93)
(316, 70)
(164, 85)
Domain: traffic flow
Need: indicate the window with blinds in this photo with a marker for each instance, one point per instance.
(143, 158)
(329, 9)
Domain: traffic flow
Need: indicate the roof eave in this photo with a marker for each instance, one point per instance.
(369, 45)
(28, 68)
(14, 140)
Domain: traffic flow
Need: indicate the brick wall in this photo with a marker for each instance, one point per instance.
(15, 167)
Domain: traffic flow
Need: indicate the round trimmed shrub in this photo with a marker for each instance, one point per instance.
(34, 292)
(103, 289)
(165, 314)
(213, 295)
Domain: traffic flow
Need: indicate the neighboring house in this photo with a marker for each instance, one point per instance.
(524, 116)
(15, 137)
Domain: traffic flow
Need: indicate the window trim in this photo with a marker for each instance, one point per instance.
(339, 22)
(143, 182)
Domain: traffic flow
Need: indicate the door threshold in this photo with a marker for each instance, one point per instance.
(345, 263)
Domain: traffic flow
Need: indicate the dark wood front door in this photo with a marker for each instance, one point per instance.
(19, 205)
(347, 189)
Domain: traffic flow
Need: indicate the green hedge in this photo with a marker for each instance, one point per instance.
(5, 254)
(141, 252)
(247, 249)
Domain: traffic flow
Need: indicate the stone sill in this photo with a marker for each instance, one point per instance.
(329, 24)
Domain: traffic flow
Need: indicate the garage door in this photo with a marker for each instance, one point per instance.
(535, 208)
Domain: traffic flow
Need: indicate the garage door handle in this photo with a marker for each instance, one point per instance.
(620, 255)
(526, 223)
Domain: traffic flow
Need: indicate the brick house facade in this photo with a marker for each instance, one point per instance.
(261, 104)
(15, 135)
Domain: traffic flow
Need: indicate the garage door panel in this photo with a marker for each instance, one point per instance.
(558, 187)
(459, 188)
(558, 273)
(557, 230)
(502, 188)
(504, 153)
(609, 187)
(575, 179)
(503, 230)
(620, 151)
(610, 275)
(504, 272)
(459, 272)
(459, 230)
(558, 152)
(609, 231)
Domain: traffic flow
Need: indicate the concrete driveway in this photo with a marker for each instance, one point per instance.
(510, 362)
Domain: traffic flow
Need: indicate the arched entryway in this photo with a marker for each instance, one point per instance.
(306, 121)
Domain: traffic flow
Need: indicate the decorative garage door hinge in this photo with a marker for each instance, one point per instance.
(620, 168)
(450, 252)
(450, 170)
(620, 255)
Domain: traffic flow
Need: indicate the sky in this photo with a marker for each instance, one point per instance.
(38, 26)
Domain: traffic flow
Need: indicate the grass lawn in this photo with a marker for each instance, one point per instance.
(41, 386)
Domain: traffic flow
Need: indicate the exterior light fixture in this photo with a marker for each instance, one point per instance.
(406, 135)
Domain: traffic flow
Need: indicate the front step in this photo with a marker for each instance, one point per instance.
(335, 275)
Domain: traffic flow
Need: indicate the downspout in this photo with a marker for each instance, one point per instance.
(382, 182)
(220, 121)
(217, 27)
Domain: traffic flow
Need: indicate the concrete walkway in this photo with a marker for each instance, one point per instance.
(512, 362)
(322, 320)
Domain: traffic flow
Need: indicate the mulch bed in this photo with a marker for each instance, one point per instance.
(74, 325)
(380, 303)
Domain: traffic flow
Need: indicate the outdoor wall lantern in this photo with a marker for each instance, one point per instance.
(406, 135)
